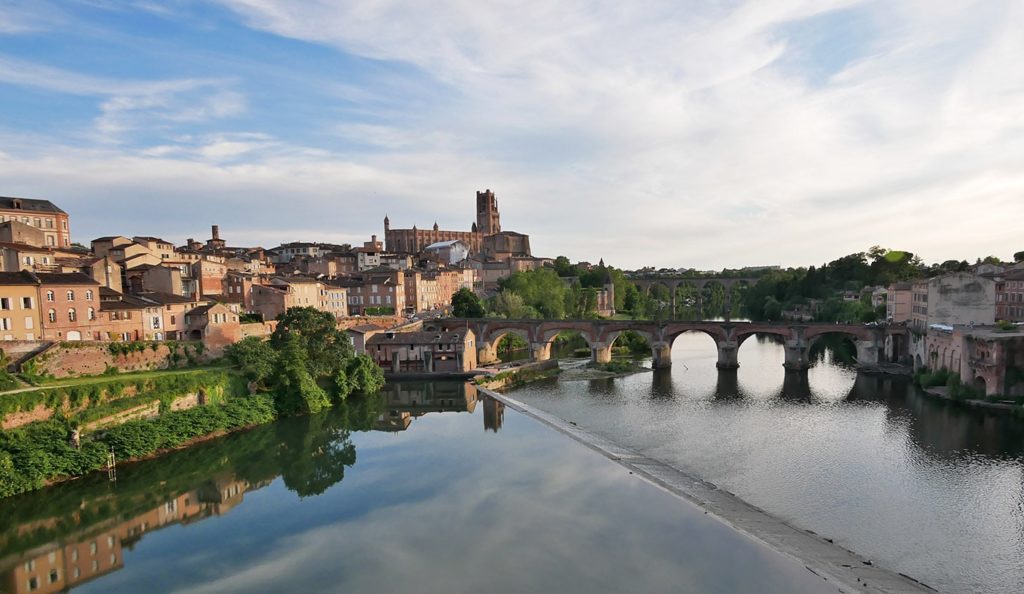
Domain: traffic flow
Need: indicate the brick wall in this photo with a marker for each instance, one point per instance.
(78, 359)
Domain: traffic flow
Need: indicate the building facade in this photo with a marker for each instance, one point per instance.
(41, 214)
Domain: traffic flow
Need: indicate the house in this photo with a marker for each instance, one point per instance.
(214, 325)
(19, 311)
(447, 252)
(41, 214)
(69, 305)
(953, 299)
(423, 352)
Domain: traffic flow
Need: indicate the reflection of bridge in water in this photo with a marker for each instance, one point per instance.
(797, 338)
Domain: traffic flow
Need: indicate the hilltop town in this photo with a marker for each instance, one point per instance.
(138, 288)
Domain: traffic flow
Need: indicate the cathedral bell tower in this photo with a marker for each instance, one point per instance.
(488, 221)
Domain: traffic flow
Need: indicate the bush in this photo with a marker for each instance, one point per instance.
(41, 452)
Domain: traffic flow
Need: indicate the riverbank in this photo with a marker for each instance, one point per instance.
(835, 565)
(1001, 408)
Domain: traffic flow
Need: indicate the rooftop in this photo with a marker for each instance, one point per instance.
(417, 338)
(31, 204)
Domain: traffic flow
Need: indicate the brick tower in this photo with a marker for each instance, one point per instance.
(488, 221)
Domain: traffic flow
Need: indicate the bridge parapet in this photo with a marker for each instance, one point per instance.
(728, 336)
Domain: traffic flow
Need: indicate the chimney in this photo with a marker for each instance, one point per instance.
(216, 232)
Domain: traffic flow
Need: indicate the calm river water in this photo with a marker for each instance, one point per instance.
(922, 487)
(423, 489)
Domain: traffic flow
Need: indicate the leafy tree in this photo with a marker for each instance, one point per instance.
(295, 387)
(1018, 256)
(255, 357)
(467, 304)
(509, 305)
(541, 289)
(316, 333)
(772, 309)
(365, 375)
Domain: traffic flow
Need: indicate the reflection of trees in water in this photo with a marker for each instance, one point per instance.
(839, 346)
(313, 458)
(310, 452)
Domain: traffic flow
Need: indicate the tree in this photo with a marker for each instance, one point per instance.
(296, 389)
(1018, 256)
(255, 357)
(325, 347)
(772, 309)
(467, 304)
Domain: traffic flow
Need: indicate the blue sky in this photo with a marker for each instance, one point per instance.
(667, 133)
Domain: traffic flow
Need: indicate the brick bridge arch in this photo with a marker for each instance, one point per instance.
(601, 335)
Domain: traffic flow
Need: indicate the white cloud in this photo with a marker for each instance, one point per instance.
(660, 133)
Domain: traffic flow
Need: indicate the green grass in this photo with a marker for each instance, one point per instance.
(132, 376)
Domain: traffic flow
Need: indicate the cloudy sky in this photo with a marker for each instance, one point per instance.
(675, 133)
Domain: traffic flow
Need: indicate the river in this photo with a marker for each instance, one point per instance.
(426, 488)
(922, 487)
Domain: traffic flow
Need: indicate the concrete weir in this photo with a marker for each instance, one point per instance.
(840, 568)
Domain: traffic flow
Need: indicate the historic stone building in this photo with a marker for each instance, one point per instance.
(487, 225)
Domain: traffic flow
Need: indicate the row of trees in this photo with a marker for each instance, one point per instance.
(566, 290)
(306, 364)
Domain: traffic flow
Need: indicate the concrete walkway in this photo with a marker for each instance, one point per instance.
(839, 567)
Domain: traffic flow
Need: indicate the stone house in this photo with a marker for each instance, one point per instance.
(41, 214)
(423, 352)
(69, 305)
(214, 325)
(19, 306)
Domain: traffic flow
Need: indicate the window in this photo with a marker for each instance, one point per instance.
(5, 324)
(26, 303)
(92, 548)
(28, 322)
(173, 319)
(88, 295)
(54, 576)
(33, 583)
(52, 315)
(74, 554)
(71, 315)
(38, 222)
(49, 223)
(71, 295)
(49, 296)
(5, 303)
(92, 314)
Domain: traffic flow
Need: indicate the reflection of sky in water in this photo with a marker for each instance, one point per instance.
(445, 507)
(930, 490)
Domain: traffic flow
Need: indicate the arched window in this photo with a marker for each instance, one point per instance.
(53, 315)
(49, 297)
(71, 315)
(88, 295)
(71, 295)
(92, 314)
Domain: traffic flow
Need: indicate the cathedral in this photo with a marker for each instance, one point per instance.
(485, 237)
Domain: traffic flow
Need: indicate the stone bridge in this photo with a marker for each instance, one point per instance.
(644, 283)
(728, 336)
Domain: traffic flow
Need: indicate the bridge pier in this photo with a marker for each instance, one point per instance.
(868, 352)
(541, 351)
(728, 352)
(601, 352)
(487, 354)
(661, 355)
(796, 356)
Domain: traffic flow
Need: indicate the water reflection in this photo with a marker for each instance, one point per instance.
(925, 487)
(560, 517)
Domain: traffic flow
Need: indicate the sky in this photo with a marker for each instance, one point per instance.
(669, 134)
